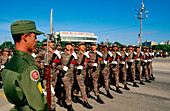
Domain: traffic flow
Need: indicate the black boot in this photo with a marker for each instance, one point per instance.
(87, 105)
(60, 102)
(53, 109)
(74, 99)
(70, 108)
(135, 85)
(125, 87)
(100, 100)
(148, 81)
(109, 95)
(151, 78)
(118, 90)
(88, 94)
(141, 82)
(0, 85)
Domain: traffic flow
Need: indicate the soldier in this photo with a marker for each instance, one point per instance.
(39, 61)
(100, 47)
(45, 45)
(3, 61)
(105, 71)
(115, 67)
(150, 69)
(68, 78)
(131, 65)
(94, 69)
(82, 61)
(26, 92)
(138, 65)
(123, 60)
(144, 61)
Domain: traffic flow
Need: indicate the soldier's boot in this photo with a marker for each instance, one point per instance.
(125, 87)
(60, 102)
(135, 85)
(151, 78)
(142, 83)
(0, 85)
(118, 90)
(100, 100)
(109, 95)
(70, 108)
(53, 109)
(74, 99)
(148, 80)
(87, 105)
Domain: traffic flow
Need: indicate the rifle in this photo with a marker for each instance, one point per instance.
(68, 63)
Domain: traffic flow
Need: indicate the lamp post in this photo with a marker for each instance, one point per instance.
(141, 12)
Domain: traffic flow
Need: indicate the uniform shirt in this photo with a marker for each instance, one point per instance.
(79, 59)
(92, 59)
(21, 82)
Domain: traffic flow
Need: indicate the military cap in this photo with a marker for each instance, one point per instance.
(110, 46)
(118, 47)
(137, 46)
(82, 43)
(52, 41)
(114, 45)
(144, 47)
(6, 49)
(24, 26)
(93, 43)
(150, 47)
(123, 46)
(147, 47)
(104, 45)
(44, 43)
(130, 46)
(68, 43)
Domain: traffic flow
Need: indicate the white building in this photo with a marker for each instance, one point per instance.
(166, 42)
(75, 36)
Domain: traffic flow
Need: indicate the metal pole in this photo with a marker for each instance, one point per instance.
(140, 44)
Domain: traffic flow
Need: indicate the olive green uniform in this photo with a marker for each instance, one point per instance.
(24, 89)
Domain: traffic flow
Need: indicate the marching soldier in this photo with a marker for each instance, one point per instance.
(82, 61)
(138, 65)
(68, 78)
(105, 71)
(150, 69)
(144, 61)
(131, 65)
(39, 61)
(115, 67)
(94, 69)
(123, 70)
(22, 84)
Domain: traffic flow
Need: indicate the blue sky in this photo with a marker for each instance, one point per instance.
(102, 17)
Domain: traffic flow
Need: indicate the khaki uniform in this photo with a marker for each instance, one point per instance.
(39, 61)
(3, 59)
(150, 68)
(68, 78)
(94, 73)
(115, 68)
(138, 66)
(144, 61)
(122, 64)
(81, 78)
(105, 71)
(131, 65)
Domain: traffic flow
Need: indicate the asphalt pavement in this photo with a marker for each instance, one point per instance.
(153, 96)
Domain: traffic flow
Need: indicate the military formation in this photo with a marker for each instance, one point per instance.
(74, 70)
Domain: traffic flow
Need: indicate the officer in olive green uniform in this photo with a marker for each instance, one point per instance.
(20, 77)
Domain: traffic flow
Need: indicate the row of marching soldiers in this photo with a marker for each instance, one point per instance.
(83, 70)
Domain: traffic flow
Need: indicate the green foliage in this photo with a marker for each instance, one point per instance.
(119, 44)
(164, 47)
(7, 44)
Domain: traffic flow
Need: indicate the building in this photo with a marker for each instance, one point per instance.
(75, 36)
(149, 43)
(166, 42)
